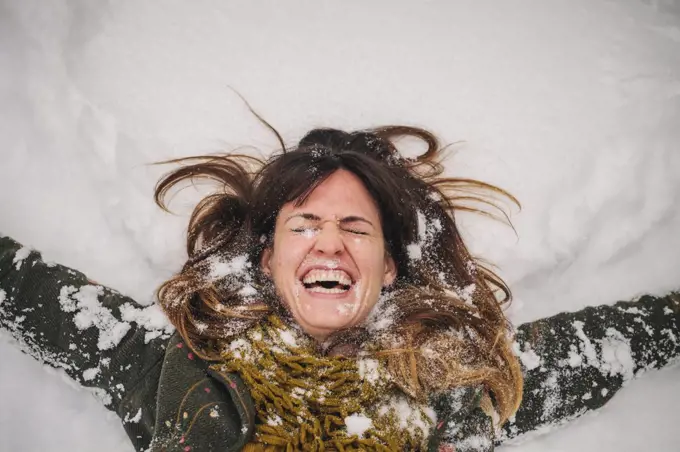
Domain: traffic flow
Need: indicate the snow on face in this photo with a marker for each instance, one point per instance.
(349, 246)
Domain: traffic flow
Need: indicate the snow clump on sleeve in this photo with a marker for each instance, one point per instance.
(151, 318)
(530, 360)
(134, 419)
(92, 313)
(90, 374)
(21, 254)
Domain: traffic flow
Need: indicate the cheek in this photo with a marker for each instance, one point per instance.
(288, 254)
(369, 257)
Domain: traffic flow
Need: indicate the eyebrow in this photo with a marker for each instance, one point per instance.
(344, 220)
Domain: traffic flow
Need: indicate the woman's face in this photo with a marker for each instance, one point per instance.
(328, 261)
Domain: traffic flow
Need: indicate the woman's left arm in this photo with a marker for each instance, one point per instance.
(575, 362)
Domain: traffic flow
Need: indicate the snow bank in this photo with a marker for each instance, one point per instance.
(571, 105)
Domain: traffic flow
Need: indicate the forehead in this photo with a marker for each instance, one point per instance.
(341, 194)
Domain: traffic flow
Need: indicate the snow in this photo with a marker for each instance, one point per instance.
(134, 419)
(368, 370)
(288, 338)
(91, 313)
(241, 348)
(587, 347)
(357, 424)
(90, 374)
(19, 257)
(234, 266)
(274, 420)
(616, 355)
(475, 442)
(409, 417)
(414, 251)
(347, 309)
(529, 359)
(570, 105)
(151, 318)
(382, 316)
(426, 234)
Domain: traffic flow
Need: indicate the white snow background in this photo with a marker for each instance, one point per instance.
(571, 105)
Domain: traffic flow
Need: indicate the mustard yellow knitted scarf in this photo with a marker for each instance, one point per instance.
(308, 402)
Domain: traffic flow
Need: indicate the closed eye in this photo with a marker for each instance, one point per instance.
(355, 231)
(304, 230)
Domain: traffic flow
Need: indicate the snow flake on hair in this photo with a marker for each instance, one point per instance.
(427, 231)
(235, 273)
(318, 151)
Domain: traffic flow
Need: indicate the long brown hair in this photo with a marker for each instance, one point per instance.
(446, 326)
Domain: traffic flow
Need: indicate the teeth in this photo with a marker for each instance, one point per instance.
(319, 274)
(319, 289)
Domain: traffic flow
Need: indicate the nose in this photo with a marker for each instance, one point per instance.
(329, 240)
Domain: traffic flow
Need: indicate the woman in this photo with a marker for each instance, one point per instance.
(329, 303)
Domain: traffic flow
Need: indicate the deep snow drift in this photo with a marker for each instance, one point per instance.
(573, 106)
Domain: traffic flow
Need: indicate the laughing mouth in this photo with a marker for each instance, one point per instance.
(327, 281)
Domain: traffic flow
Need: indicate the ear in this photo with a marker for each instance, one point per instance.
(390, 271)
(265, 261)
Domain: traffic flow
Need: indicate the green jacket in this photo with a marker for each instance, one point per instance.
(169, 401)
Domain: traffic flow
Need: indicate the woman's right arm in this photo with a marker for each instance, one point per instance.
(100, 338)
(574, 362)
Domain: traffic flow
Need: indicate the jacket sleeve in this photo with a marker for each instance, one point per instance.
(100, 338)
(462, 425)
(575, 362)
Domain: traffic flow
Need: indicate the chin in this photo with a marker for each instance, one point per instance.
(329, 325)
(325, 318)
